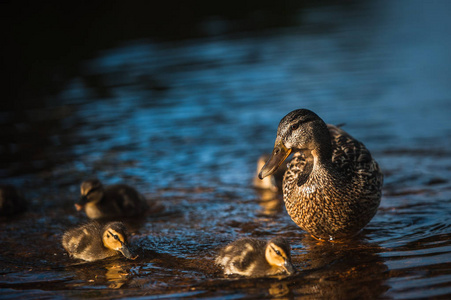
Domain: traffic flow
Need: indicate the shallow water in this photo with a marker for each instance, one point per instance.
(185, 120)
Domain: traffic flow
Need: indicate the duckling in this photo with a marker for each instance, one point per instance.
(113, 201)
(272, 182)
(11, 201)
(332, 187)
(93, 241)
(256, 258)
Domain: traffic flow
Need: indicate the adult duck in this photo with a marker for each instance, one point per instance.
(332, 186)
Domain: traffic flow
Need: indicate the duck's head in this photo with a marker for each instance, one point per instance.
(115, 238)
(278, 254)
(91, 192)
(300, 130)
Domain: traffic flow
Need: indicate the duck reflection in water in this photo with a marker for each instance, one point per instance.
(116, 275)
(334, 270)
(111, 274)
(279, 290)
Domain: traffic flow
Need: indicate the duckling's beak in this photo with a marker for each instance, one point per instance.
(126, 252)
(289, 268)
(278, 156)
(81, 203)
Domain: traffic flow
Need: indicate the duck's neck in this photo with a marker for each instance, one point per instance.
(322, 156)
(325, 168)
(93, 211)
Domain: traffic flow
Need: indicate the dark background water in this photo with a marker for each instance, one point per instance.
(179, 100)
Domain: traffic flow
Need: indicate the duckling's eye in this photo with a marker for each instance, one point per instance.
(95, 189)
(294, 126)
(277, 252)
(110, 234)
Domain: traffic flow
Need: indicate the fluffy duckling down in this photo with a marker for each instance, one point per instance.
(271, 182)
(256, 258)
(93, 241)
(112, 201)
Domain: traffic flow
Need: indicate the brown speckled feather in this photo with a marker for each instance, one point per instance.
(337, 200)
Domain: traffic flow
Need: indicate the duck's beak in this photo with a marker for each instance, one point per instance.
(81, 203)
(289, 268)
(279, 154)
(126, 252)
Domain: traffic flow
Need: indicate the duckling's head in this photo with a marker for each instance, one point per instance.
(278, 254)
(302, 130)
(91, 192)
(115, 238)
(268, 183)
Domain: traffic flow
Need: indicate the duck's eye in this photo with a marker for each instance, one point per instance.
(294, 126)
(94, 189)
(110, 234)
(277, 252)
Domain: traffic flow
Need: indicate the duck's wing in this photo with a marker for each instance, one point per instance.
(348, 153)
(127, 201)
(352, 157)
(78, 239)
(242, 256)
